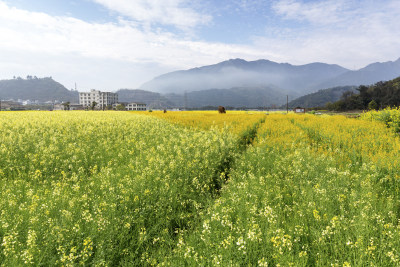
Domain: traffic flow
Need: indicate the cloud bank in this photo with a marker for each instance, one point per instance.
(140, 45)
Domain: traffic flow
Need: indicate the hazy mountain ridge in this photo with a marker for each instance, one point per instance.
(40, 89)
(250, 97)
(241, 73)
(368, 75)
(235, 83)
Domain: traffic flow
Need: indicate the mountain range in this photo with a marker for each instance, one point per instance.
(234, 83)
(290, 79)
(233, 73)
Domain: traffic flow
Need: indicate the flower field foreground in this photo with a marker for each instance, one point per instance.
(101, 188)
(117, 188)
(312, 191)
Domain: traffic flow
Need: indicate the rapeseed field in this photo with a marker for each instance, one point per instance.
(198, 189)
(100, 188)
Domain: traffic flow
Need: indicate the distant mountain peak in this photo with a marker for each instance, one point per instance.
(237, 60)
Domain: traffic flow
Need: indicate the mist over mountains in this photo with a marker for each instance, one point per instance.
(296, 80)
(234, 83)
(371, 74)
(237, 97)
(238, 83)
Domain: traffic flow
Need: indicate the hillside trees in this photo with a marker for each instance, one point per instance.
(379, 95)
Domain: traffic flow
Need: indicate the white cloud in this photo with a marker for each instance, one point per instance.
(124, 54)
(167, 12)
(39, 32)
(321, 12)
(350, 33)
(33, 33)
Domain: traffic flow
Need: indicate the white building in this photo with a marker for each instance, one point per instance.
(136, 106)
(103, 99)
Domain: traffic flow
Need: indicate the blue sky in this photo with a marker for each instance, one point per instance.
(113, 44)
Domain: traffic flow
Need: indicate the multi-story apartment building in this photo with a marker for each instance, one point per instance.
(102, 99)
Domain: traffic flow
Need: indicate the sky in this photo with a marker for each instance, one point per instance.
(114, 44)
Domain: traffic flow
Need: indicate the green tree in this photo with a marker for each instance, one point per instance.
(120, 107)
(93, 105)
(66, 105)
(372, 105)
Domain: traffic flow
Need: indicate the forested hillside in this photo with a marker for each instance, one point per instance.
(379, 95)
(321, 98)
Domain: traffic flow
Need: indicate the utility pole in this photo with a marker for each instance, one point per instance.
(287, 103)
(0, 104)
(185, 99)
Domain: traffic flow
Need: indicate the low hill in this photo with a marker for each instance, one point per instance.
(40, 89)
(153, 100)
(321, 98)
(379, 95)
(250, 97)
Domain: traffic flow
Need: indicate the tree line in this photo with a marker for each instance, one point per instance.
(376, 96)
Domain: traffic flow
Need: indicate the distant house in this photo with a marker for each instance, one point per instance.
(10, 105)
(114, 106)
(299, 110)
(71, 107)
(58, 107)
(102, 99)
(76, 107)
(136, 106)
